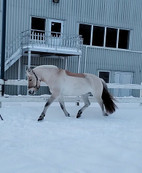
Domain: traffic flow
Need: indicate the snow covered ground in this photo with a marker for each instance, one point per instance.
(91, 144)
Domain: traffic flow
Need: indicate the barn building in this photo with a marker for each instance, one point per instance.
(103, 37)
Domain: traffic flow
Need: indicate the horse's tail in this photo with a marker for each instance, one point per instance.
(108, 99)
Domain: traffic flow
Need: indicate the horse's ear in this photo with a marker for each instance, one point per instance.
(29, 71)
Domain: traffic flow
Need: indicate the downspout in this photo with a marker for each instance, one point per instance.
(86, 51)
(3, 45)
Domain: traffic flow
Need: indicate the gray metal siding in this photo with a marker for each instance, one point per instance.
(124, 14)
(112, 60)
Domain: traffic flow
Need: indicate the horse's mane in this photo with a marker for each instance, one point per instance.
(46, 66)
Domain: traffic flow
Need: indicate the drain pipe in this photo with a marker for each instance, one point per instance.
(86, 51)
(3, 44)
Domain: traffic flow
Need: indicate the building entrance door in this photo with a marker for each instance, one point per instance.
(123, 78)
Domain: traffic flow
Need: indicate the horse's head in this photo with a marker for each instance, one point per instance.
(33, 81)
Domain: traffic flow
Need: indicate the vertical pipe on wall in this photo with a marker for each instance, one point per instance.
(3, 43)
(19, 75)
(29, 58)
(78, 70)
(66, 63)
(85, 59)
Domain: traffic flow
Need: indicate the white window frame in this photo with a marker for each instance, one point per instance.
(105, 71)
(56, 21)
(105, 33)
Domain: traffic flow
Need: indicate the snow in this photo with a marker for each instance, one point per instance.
(59, 144)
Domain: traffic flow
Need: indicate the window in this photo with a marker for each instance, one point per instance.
(123, 39)
(104, 75)
(37, 28)
(111, 37)
(56, 27)
(38, 24)
(104, 36)
(85, 32)
(98, 36)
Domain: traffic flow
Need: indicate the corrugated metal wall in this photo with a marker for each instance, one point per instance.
(112, 13)
(120, 13)
(0, 22)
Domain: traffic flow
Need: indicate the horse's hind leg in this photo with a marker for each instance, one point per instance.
(62, 104)
(86, 102)
(100, 102)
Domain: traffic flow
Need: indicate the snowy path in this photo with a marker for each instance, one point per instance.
(91, 144)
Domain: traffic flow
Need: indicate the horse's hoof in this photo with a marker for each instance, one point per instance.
(40, 119)
(78, 116)
(105, 114)
(68, 115)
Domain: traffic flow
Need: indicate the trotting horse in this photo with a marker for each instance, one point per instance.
(64, 83)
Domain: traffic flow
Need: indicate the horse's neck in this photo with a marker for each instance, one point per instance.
(46, 74)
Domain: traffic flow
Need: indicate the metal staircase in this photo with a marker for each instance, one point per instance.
(41, 41)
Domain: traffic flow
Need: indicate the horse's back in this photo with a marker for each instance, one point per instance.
(80, 75)
(79, 84)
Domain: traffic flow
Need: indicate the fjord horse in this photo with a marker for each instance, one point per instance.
(64, 83)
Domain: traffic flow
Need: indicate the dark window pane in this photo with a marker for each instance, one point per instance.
(98, 36)
(104, 76)
(38, 24)
(123, 39)
(111, 37)
(38, 28)
(85, 32)
(55, 29)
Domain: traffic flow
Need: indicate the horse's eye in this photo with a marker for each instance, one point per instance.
(30, 80)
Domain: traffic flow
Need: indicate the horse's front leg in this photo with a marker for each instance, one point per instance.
(48, 103)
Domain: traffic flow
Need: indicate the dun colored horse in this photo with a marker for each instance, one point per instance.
(64, 83)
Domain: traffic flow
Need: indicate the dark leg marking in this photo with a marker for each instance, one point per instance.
(77, 103)
(79, 114)
(1, 118)
(41, 117)
(62, 105)
(64, 109)
(50, 100)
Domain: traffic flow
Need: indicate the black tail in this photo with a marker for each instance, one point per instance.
(108, 100)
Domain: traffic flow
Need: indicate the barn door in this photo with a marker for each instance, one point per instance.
(123, 78)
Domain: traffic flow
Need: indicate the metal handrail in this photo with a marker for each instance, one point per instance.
(51, 39)
(44, 39)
